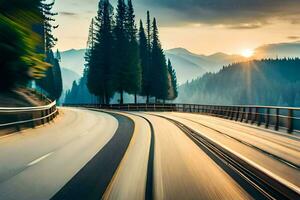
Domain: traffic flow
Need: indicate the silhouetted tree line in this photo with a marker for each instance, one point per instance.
(121, 59)
(25, 44)
(51, 83)
(260, 82)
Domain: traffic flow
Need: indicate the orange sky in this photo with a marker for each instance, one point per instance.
(199, 38)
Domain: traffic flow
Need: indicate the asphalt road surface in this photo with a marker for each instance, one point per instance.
(88, 154)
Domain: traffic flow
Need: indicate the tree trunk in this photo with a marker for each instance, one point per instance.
(121, 97)
(135, 98)
(107, 100)
(147, 100)
(100, 100)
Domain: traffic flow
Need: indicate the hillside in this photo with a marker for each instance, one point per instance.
(265, 82)
(68, 77)
(21, 97)
(189, 65)
(73, 60)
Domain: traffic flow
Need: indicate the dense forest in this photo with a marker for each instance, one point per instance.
(273, 82)
(26, 43)
(122, 59)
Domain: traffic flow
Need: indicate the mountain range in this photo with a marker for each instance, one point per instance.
(188, 65)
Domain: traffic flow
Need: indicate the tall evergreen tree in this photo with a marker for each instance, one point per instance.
(58, 56)
(101, 60)
(144, 56)
(133, 60)
(120, 51)
(20, 62)
(148, 29)
(173, 90)
(52, 82)
(159, 73)
(49, 39)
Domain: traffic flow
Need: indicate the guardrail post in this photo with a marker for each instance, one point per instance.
(267, 117)
(249, 114)
(47, 118)
(258, 116)
(32, 122)
(42, 115)
(290, 124)
(243, 114)
(237, 114)
(253, 116)
(231, 113)
(277, 119)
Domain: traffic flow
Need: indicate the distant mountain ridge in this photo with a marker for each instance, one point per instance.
(190, 65)
(273, 82)
(73, 59)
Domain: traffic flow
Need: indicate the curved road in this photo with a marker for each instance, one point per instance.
(37, 163)
(88, 154)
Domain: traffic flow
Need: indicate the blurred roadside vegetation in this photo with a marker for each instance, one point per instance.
(21, 57)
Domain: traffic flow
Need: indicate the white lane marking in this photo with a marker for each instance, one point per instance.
(39, 159)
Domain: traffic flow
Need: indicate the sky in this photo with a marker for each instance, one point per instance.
(201, 26)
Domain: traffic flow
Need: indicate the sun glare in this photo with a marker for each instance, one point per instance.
(247, 53)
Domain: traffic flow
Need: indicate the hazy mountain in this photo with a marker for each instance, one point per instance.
(73, 59)
(189, 65)
(273, 82)
(68, 77)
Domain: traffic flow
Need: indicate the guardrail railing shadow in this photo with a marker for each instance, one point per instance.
(278, 118)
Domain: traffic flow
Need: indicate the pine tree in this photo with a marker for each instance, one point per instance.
(148, 30)
(58, 82)
(159, 73)
(20, 62)
(144, 57)
(120, 78)
(52, 82)
(100, 59)
(149, 61)
(133, 61)
(173, 91)
(49, 39)
(58, 56)
(90, 43)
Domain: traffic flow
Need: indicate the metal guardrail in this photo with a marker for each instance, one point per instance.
(17, 118)
(286, 118)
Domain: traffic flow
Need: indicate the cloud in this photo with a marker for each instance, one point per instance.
(293, 37)
(68, 13)
(232, 13)
(246, 26)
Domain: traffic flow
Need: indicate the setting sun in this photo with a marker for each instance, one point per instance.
(247, 53)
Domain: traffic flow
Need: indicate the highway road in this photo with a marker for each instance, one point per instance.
(277, 153)
(89, 154)
(36, 163)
